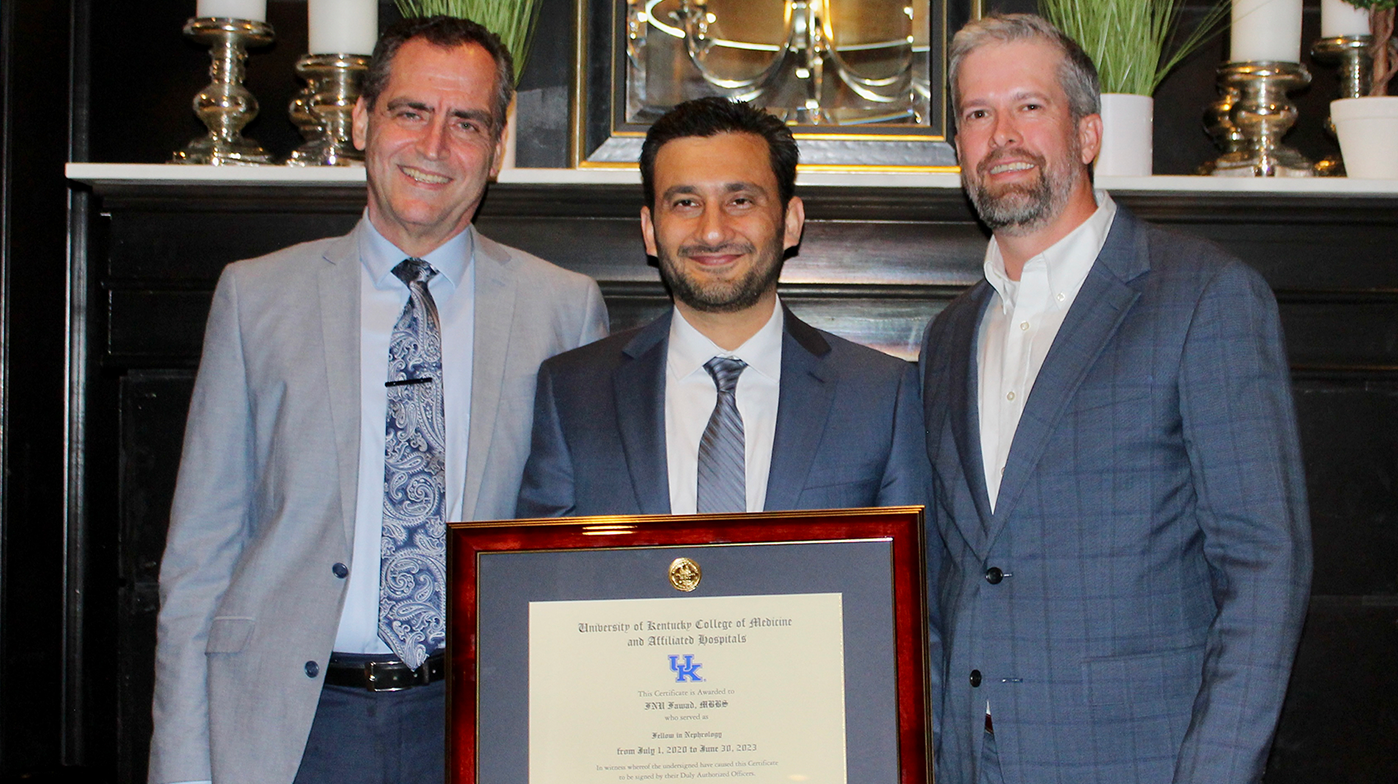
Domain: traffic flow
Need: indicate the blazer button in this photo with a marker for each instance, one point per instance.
(313, 669)
(993, 575)
(341, 571)
(975, 678)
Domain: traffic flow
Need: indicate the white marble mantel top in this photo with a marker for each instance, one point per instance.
(173, 174)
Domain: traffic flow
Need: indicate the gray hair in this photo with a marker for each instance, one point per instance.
(1076, 73)
(447, 32)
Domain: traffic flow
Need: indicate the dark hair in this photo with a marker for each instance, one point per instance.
(1077, 75)
(711, 116)
(448, 32)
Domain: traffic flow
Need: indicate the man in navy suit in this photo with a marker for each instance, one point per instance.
(1116, 466)
(728, 402)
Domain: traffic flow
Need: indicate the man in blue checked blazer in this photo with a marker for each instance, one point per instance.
(1125, 549)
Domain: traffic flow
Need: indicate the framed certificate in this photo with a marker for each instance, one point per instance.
(770, 647)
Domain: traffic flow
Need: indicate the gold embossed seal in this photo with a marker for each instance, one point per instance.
(685, 574)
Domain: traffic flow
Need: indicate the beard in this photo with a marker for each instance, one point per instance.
(722, 296)
(1022, 207)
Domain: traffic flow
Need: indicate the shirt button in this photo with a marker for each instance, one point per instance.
(975, 678)
(341, 571)
(1023, 325)
(1010, 396)
(1061, 297)
(312, 669)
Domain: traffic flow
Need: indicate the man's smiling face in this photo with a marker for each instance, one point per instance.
(1021, 153)
(430, 143)
(718, 225)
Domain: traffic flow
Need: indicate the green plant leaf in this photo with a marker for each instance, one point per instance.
(1128, 39)
(1374, 5)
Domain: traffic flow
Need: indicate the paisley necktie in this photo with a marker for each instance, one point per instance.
(412, 580)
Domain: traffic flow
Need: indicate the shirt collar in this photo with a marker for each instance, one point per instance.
(1066, 262)
(689, 349)
(380, 256)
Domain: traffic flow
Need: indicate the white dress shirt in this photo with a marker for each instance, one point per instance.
(381, 299)
(1019, 325)
(690, 396)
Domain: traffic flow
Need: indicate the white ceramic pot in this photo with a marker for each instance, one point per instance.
(1127, 122)
(1368, 131)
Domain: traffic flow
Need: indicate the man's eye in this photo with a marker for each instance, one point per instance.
(975, 114)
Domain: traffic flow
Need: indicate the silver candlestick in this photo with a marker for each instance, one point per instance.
(1262, 114)
(1352, 53)
(225, 106)
(1218, 121)
(338, 80)
(299, 110)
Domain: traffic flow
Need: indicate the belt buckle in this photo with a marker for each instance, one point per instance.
(379, 676)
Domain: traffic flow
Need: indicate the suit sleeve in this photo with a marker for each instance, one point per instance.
(908, 481)
(935, 553)
(547, 489)
(208, 527)
(907, 478)
(595, 321)
(1239, 428)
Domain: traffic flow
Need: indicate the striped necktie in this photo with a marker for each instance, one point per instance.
(722, 470)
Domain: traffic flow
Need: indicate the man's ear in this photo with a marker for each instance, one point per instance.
(795, 222)
(648, 232)
(359, 129)
(1090, 137)
(498, 160)
(500, 143)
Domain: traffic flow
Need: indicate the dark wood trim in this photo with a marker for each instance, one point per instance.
(35, 575)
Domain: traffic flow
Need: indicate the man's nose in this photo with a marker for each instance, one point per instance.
(1005, 130)
(713, 225)
(433, 142)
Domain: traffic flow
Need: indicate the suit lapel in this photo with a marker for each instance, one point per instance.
(638, 384)
(337, 284)
(1096, 314)
(493, 323)
(961, 388)
(803, 403)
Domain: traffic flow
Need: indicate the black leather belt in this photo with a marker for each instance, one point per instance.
(382, 673)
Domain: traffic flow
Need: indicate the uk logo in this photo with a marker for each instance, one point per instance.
(686, 670)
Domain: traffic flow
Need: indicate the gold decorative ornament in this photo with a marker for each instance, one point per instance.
(685, 574)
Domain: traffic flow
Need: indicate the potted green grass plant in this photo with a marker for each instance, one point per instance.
(1130, 41)
(513, 20)
(1368, 126)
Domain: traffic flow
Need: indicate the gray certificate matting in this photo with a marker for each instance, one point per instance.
(861, 571)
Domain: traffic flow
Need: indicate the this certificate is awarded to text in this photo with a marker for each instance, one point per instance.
(747, 688)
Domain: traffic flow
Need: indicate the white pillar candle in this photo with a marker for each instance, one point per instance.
(1266, 30)
(1338, 18)
(255, 10)
(343, 26)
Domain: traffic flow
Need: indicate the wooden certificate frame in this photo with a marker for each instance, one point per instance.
(873, 558)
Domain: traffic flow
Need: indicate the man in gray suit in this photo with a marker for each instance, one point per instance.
(728, 402)
(355, 394)
(1119, 488)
